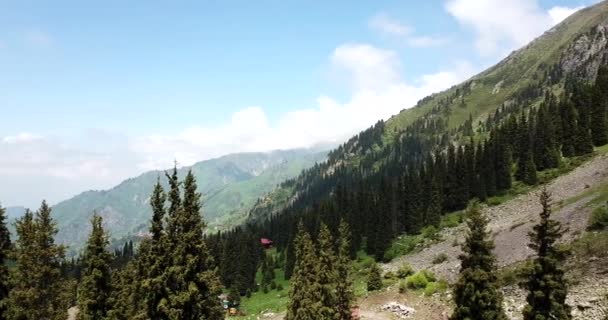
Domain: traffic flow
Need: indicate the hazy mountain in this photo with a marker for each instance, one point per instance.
(230, 186)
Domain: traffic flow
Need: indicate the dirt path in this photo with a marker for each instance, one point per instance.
(511, 221)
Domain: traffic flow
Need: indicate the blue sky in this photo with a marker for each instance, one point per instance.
(92, 93)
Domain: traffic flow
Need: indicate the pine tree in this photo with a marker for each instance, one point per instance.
(96, 283)
(304, 301)
(327, 275)
(528, 171)
(193, 287)
(374, 278)
(344, 285)
(5, 247)
(477, 294)
(545, 282)
(37, 288)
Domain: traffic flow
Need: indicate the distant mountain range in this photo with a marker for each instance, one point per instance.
(230, 186)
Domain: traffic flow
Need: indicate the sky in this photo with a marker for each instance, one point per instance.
(94, 92)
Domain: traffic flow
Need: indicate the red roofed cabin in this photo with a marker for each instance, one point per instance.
(267, 243)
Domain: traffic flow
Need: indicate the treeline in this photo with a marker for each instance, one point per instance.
(171, 276)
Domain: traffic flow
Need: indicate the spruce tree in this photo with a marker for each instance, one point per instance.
(192, 285)
(304, 301)
(477, 294)
(37, 289)
(344, 285)
(374, 278)
(5, 247)
(96, 283)
(327, 275)
(547, 288)
(599, 108)
(153, 255)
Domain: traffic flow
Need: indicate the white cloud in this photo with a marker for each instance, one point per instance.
(365, 66)
(51, 168)
(502, 26)
(385, 24)
(427, 41)
(378, 93)
(559, 14)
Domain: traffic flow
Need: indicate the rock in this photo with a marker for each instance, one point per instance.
(402, 311)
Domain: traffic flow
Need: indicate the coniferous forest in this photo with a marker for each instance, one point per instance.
(383, 185)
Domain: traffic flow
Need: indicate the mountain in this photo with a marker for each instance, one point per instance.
(230, 186)
(574, 49)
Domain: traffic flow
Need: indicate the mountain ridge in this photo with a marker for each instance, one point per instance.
(229, 184)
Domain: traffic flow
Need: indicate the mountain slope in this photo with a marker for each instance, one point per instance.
(230, 186)
(574, 48)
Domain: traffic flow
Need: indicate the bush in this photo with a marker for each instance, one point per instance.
(430, 232)
(440, 258)
(417, 281)
(405, 271)
(599, 218)
(434, 287)
(389, 275)
(429, 275)
(265, 289)
(273, 285)
(402, 287)
(279, 287)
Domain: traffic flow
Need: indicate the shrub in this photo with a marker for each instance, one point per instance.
(430, 232)
(599, 218)
(402, 287)
(273, 285)
(434, 287)
(405, 271)
(431, 288)
(429, 275)
(265, 289)
(440, 258)
(279, 287)
(389, 275)
(417, 281)
(374, 279)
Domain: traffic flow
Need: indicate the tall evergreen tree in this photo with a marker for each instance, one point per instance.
(37, 290)
(304, 301)
(599, 108)
(327, 275)
(96, 283)
(547, 288)
(5, 247)
(193, 286)
(344, 285)
(477, 294)
(154, 255)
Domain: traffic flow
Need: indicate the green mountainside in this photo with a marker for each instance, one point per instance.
(574, 48)
(230, 186)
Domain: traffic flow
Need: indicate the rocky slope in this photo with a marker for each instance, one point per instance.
(510, 224)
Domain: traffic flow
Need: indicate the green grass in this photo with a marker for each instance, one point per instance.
(273, 301)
